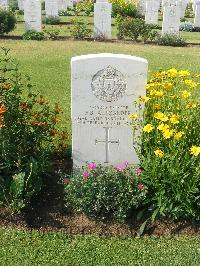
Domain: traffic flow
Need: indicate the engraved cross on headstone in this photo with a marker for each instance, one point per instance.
(107, 142)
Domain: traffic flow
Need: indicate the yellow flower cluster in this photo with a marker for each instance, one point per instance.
(171, 110)
(160, 116)
(195, 150)
(159, 153)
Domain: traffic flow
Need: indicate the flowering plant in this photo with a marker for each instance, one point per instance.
(170, 142)
(28, 133)
(106, 191)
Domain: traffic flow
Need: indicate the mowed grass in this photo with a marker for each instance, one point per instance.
(48, 62)
(36, 248)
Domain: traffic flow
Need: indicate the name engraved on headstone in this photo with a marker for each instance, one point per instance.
(105, 116)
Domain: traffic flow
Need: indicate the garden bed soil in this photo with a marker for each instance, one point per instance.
(47, 213)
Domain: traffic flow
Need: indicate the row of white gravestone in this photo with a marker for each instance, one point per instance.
(102, 100)
(52, 6)
(4, 4)
(172, 13)
(102, 15)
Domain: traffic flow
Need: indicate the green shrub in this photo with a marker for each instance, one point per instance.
(7, 21)
(84, 7)
(51, 20)
(123, 8)
(28, 135)
(196, 29)
(171, 40)
(33, 35)
(43, 5)
(134, 28)
(52, 33)
(13, 5)
(170, 149)
(80, 29)
(106, 192)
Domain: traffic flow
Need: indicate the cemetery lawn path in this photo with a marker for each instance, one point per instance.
(37, 248)
(48, 62)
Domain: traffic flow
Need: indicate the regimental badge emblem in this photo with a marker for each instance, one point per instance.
(109, 84)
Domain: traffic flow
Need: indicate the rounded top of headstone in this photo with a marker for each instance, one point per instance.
(109, 56)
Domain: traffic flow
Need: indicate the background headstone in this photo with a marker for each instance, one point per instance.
(102, 100)
(197, 15)
(51, 8)
(21, 4)
(171, 20)
(151, 13)
(4, 4)
(183, 5)
(141, 7)
(102, 19)
(33, 15)
(62, 4)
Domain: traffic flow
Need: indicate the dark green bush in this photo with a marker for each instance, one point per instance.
(33, 35)
(135, 28)
(171, 40)
(52, 33)
(106, 192)
(51, 20)
(13, 5)
(7, 21)
(43, 5)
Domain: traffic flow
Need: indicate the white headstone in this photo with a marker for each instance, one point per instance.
(33, 15)
(21, 4)
(183, 5)
(62, 4)
(151, 13)
(51, 8)
(141, 7)
(169, 3)
(4, 4)
(102, 99)
(102, 19)
(171, 20)
(197, 15)
(70, 3)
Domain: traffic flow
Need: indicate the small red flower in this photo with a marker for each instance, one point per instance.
(140, 186)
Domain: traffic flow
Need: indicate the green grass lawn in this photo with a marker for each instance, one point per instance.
(34, 248)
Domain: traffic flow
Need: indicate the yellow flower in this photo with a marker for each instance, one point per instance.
(156, 93)
(160, 116)
(167, 86)
(167, 134)
(196, 76)
(133, 116)
(148, 128)
(157, 106)
(191, 105)
(195, 150)
(172, 72)
(174, 119)
(163, 127)
(183, 73)
(178, 135)
(192, 84)
(159, 153)
(185, 94)
(144, 99)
